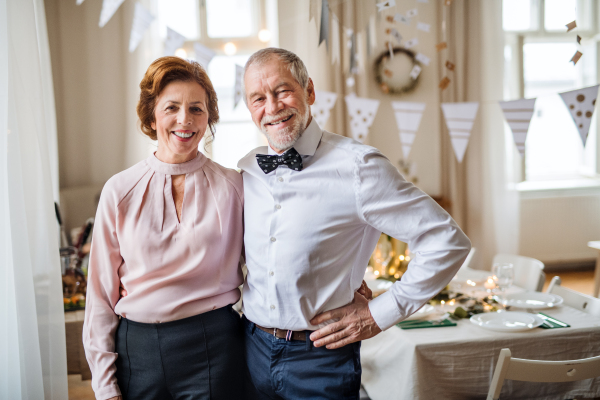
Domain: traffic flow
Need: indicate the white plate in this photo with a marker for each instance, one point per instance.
(423, 312)
(507, 321)
(534, 300)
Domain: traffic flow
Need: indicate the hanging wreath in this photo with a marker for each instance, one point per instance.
(379, 68)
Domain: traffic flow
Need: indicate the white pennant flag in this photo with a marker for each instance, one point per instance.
(239, 81)
(141, 22)
(335, 40)
(203, 55)
(518, 114)
(321, 109)
(174, 41)
(581, 104)
(459, 119)
(109, 8)
(79, 2)
(384, 5)
(362, 113)
(408, 117)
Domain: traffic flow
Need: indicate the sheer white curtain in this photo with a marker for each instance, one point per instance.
(32, 330)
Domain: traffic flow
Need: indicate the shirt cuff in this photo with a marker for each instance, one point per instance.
(385, 311)
(108, 392)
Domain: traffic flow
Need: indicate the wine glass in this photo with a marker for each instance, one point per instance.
(504, 275)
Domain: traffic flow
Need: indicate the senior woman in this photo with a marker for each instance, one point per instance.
(169, 230)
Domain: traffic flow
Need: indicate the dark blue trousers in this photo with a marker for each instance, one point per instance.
(280, 369)
(195, 358)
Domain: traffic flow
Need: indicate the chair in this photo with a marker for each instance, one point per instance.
(540, 371)
(464, 268)
(529, 272)
(580, 301)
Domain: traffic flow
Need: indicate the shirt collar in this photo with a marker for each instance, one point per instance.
(308, 142)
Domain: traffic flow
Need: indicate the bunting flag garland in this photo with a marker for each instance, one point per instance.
(459, 119)
(79, 2)
(321, 109)
(411, 43)
(518, 114)
(174, 41)
(422, 58)
(408, 118)
(415, 71)
(385, 5)
(412, 13)
(324, 31)
(401, 18)
(423, 27)
(362, 113)
(239, 81)
(141, 22)
(203, 55)
(313, 10)
(581, 104)
(109, 8)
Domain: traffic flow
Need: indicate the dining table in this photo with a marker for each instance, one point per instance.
(458, 362)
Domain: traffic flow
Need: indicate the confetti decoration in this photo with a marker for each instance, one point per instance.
(384, 5)
(203, 54)
(450, 65)
(411, 43)
(441, 46)
(321, 109)
(362, 113)
(415, 71)
(578, 39)
(408, 118)
(109, 8)
(390, 19)
(395, 34)
(335, 41)
(423, 26)
(581, 104)
(412, 13)
(324, 31)
(142, 18)
(571, 25)
(444, 83)
(422, 58)
(388, 73)
(401, 18)
(174, 41)
(459, 119)
(518, 114)
(576, 57)
(239, 81)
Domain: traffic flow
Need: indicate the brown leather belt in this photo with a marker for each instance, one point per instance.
(284, 334)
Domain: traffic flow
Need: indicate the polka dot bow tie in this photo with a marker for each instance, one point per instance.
(290, 158)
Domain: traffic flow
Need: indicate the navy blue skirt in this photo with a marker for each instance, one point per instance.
(199, 357)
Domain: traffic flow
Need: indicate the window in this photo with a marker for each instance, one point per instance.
(230, 28)
(537, 55)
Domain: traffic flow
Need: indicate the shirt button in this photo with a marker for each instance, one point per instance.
(272, 306)
(278, 206)
(273, 239)
(271, 273)
(280, 179)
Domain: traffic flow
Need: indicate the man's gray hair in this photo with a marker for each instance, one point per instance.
(291, 61)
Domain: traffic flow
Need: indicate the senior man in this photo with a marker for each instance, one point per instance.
(315, 206)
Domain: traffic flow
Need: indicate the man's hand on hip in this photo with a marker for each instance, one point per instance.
(355, 323)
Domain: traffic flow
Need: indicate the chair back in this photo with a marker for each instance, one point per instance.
(529, 272)
(580, 301)
(540, 371)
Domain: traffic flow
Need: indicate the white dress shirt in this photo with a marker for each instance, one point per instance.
(309, 234)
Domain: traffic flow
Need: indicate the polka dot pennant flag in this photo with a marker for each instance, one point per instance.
(239, 81)
(362, 113)
(408, 118)
(321, 110)
(518, 114)
(203, 54)
(581, 104)
(459, 119)
(174, 41)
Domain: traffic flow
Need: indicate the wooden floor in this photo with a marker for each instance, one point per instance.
(581, 281)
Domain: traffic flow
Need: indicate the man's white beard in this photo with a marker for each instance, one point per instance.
(285, 138)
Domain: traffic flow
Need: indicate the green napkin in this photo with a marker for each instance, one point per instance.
(555, 323)
(425, 324)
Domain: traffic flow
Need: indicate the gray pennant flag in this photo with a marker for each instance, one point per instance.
(353, 65)
(324, 34)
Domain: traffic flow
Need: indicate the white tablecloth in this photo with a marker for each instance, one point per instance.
(458, 362)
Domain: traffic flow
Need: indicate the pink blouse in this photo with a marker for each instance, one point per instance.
(170, 269)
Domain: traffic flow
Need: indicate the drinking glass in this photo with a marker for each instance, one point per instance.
(504, 275)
